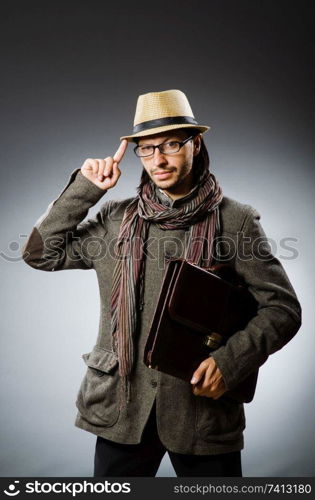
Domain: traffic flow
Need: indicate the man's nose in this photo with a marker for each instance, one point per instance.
(159, 158)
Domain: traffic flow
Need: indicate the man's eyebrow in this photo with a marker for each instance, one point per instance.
(165, 140)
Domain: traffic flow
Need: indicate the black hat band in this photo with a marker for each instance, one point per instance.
(160, 122)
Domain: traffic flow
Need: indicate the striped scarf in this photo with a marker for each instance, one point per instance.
(128, 276)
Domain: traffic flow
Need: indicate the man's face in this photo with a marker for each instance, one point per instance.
(172, 173)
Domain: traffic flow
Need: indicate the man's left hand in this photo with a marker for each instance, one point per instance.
(207, 380)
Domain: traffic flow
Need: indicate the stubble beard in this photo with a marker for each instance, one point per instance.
(172, 185)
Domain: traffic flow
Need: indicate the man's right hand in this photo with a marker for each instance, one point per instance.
(105, 173)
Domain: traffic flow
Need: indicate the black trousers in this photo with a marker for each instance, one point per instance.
(143, 459)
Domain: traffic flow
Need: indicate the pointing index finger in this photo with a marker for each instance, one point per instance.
(118, 156)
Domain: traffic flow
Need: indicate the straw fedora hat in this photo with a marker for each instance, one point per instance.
(161, 111)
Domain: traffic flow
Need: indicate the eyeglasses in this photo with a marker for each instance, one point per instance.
(166, 148)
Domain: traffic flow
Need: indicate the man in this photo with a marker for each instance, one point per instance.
(138, 414)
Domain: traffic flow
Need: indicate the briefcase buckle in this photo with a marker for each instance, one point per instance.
(213, 340)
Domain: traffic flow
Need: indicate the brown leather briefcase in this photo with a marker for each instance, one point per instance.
(197, 311)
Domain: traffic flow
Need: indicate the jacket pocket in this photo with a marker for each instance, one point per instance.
(98, 396)
(219, 421)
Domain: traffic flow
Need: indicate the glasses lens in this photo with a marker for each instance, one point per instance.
(170, 148)
(144, 150)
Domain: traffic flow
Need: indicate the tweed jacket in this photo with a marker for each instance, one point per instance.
(62, 239)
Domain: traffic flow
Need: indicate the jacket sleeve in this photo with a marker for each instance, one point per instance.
(59, 239)
(279, 312)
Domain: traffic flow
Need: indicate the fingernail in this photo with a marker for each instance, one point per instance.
(194, 380)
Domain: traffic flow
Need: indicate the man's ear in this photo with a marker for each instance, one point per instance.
(197, 144)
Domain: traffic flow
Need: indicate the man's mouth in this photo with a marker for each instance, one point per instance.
(163, 174)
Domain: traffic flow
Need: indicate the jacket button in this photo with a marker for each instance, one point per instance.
(153, 383)
(168, 256)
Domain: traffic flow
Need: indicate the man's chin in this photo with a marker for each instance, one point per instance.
(165, 184)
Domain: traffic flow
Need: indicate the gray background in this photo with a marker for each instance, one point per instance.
(71, 74)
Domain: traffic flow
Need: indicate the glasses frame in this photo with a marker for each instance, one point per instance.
(180, 144)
